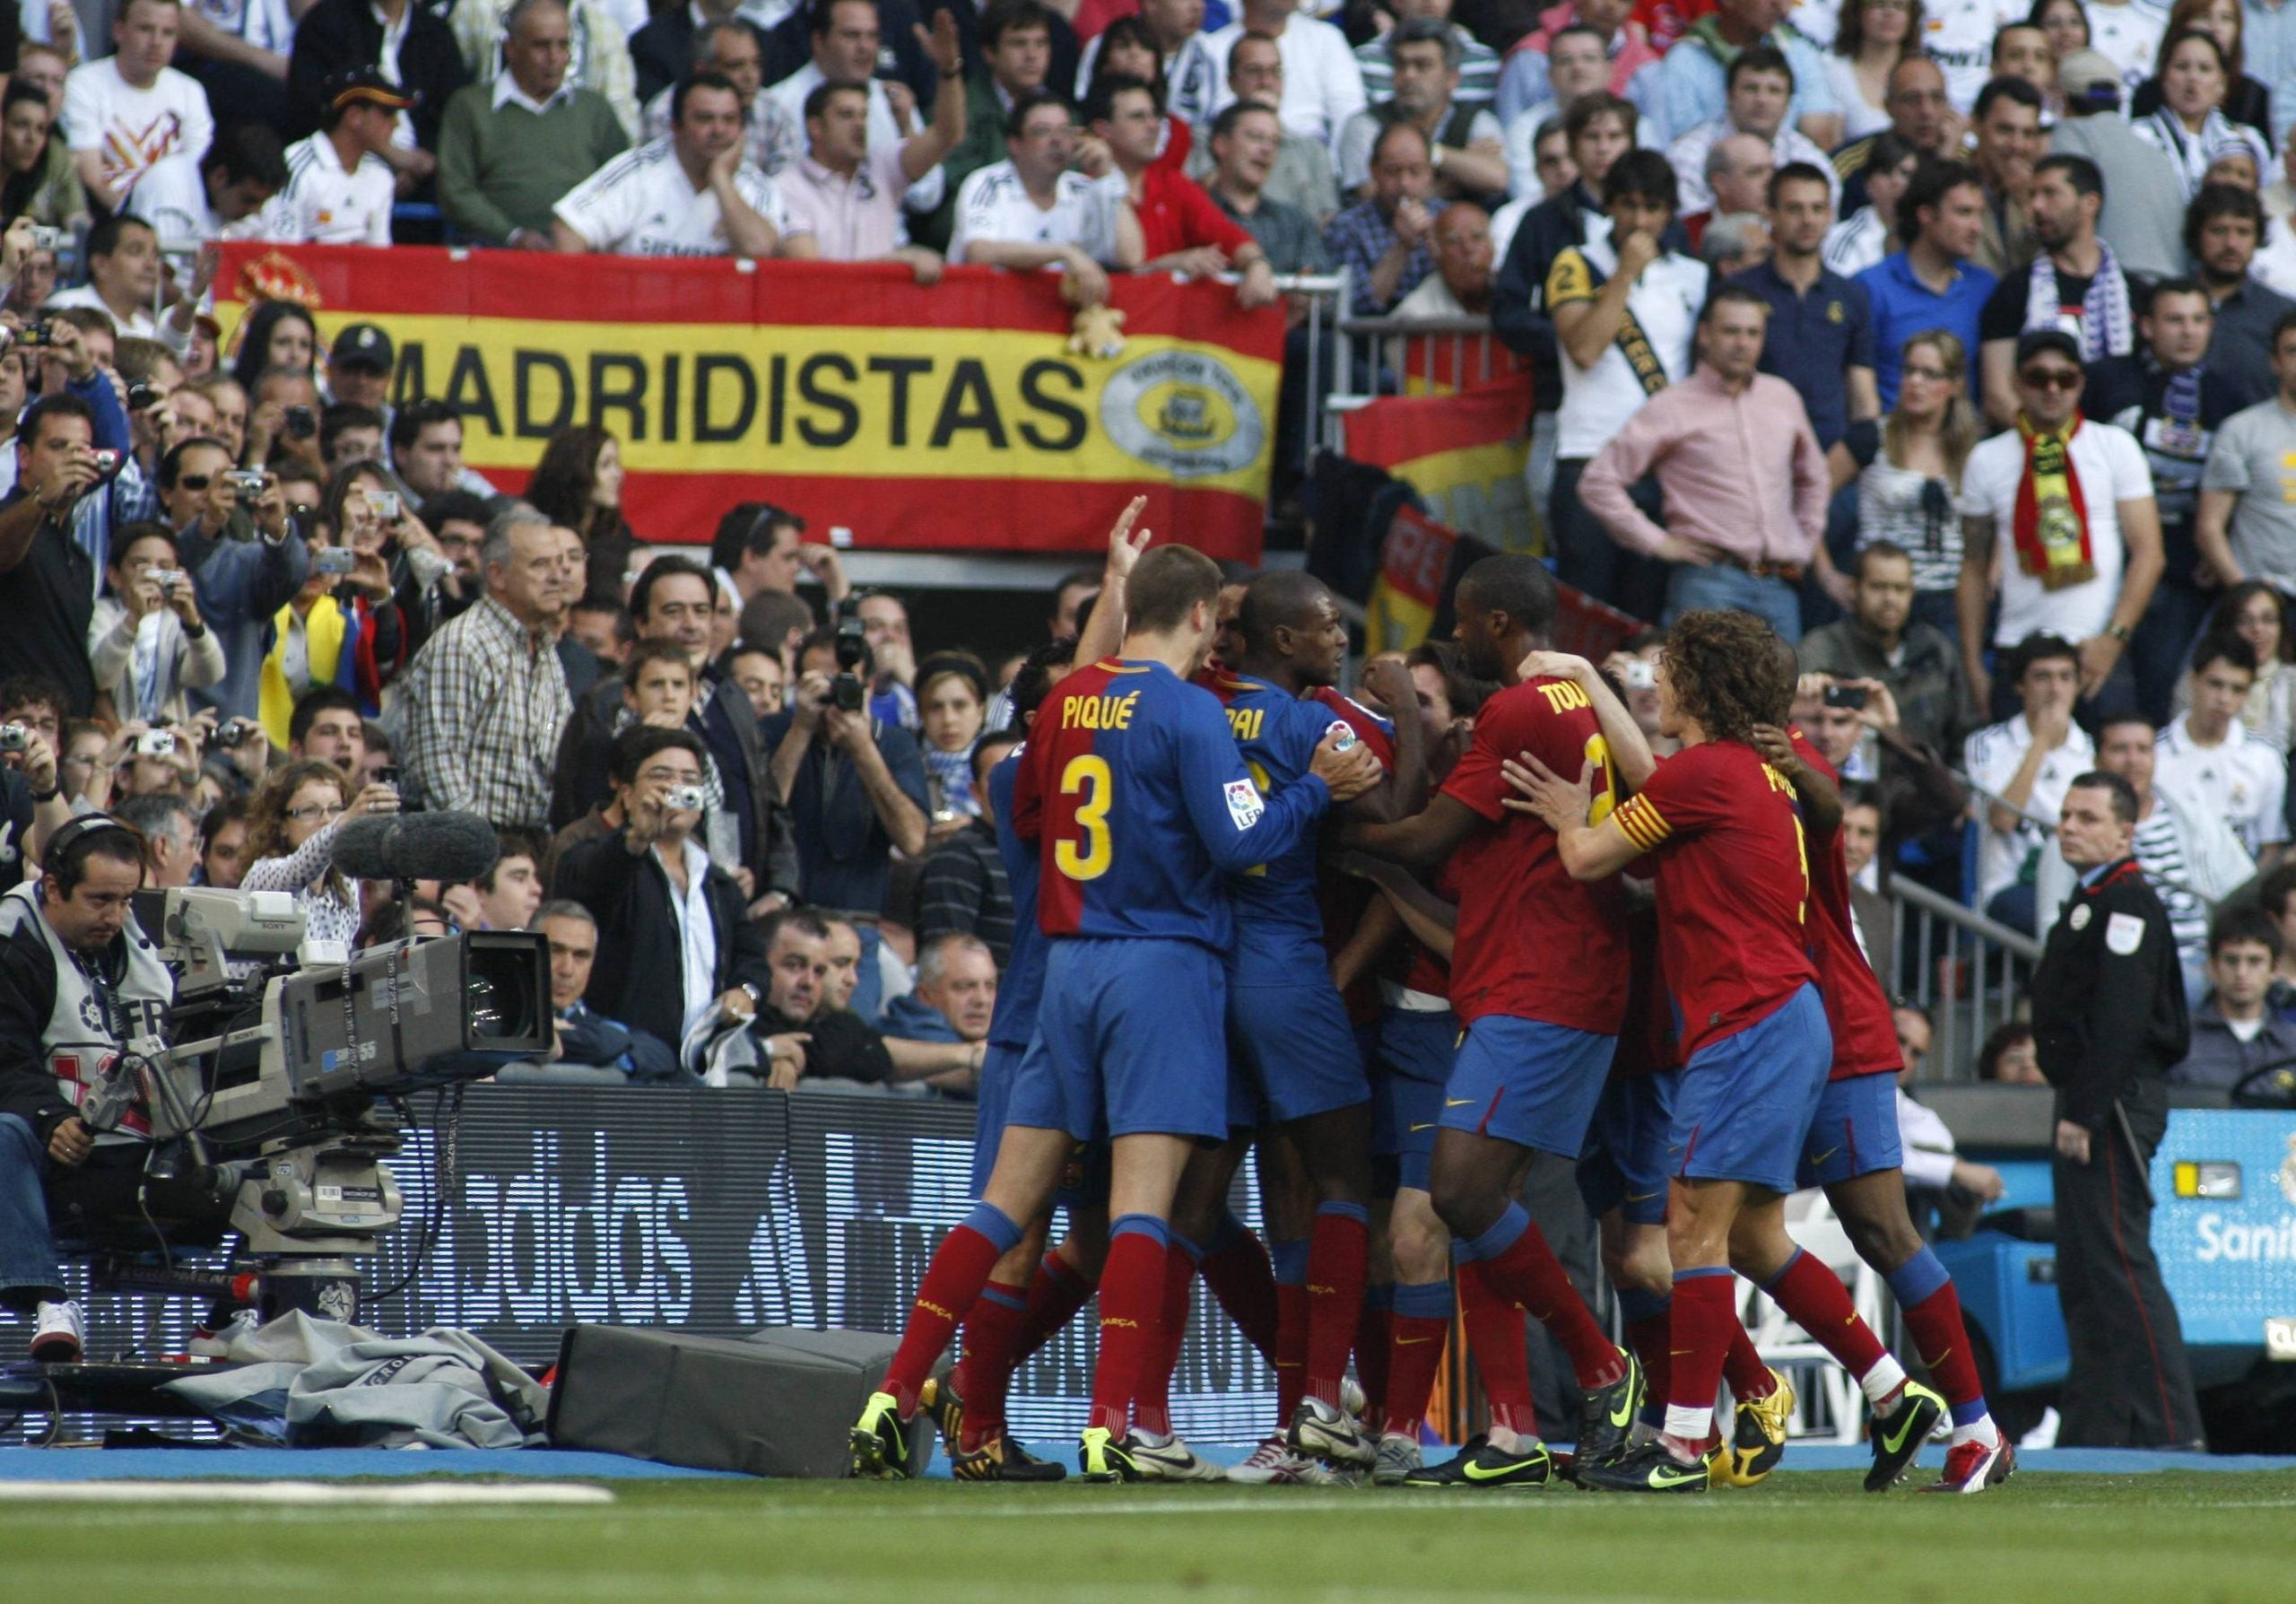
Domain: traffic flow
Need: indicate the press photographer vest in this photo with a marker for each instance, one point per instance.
(91, 1018)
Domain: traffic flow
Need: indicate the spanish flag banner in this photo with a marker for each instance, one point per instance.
(954, 416)
(1463, 453)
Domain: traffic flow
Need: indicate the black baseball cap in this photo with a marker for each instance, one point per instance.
(362, 345)
(2035, 341)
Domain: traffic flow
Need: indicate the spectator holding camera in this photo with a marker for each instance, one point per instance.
(231, 531)
(48, 578)
(146, 639)
(32, 803)
(292, 831)
(342, 627)
(854, 783)
(691, 957)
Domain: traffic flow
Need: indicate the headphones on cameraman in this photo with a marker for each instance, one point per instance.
(52, 854)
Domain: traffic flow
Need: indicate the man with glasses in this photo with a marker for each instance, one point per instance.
(1032, 210)
(2074, 498)
(1302, 174)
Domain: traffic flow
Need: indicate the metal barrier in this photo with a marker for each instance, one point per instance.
(1969, 971)
(1386, 356)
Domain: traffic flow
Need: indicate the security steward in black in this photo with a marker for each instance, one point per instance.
(2109, 1021)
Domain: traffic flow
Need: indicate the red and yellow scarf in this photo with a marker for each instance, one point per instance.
(2052, 518)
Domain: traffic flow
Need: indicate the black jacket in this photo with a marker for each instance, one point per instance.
(2108, 997)
(638, 981)
(663, 51)
(730, 726)
(843, 1047)
(337, 35)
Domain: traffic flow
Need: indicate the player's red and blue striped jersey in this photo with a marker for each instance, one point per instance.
(1734, 886)
(1857, 1006)
(1020, 987)
(1279, 916)
(1139, 803)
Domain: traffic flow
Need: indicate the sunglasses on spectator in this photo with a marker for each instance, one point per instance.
(317, 810)
(2050, 378)
(195, 480)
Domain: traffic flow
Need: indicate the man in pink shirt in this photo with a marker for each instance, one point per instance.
(1745, 482)
(843, 198)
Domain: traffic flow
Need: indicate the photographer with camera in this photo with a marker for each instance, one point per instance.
(146, 641)
(233, 529)
(673, 604)
(854, 783)
(291, 831)
(679, 925)
(283, 421)
(32, 804)
(47, 576)
(80, 986)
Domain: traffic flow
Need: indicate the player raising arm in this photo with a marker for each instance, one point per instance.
(1139, 802)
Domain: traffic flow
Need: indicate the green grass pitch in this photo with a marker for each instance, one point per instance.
(2173, 1537)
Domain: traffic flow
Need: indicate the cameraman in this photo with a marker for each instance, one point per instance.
(243, 566)
(854, 783)
(80, 984)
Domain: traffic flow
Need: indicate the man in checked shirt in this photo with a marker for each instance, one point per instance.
(487, 696)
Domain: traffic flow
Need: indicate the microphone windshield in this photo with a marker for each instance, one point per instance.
(451, 847)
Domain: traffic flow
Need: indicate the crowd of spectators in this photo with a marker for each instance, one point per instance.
(1951, 340)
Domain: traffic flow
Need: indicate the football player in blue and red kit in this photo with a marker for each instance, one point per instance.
(1140, 804)
(1538, 979)
(1030, 1293)
(1853, 1152)
(1290, 1039)
(1734, 895)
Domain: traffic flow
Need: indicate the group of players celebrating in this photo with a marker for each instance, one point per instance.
(1646, 967)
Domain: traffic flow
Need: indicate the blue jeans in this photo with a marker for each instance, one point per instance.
(29, 1270)
(1771, 600)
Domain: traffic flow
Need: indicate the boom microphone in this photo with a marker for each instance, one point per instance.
(449, 847)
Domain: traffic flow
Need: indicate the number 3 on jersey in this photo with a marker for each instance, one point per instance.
(1088, 858)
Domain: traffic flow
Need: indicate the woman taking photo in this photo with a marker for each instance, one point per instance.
(292, 828)
(2191, 126)
(343, 627)
(578, 484)
(1907, 496)
(1874, 36)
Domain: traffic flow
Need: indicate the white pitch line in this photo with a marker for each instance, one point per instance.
(416, 1494)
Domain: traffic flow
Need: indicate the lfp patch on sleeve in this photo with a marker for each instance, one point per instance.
(1244, 804)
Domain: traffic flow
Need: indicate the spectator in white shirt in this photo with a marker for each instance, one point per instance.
(339, 189)
(1322, 85)
(691, 194)
(845, 41)
(1032, 210)
(2024, 769)
(843, 197)
(2207, 754)
(2058, 512)
(131, 112)
(123, 275)
(222, 198)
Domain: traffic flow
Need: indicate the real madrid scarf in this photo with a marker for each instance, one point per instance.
(1633, 343)
(2106, 326)
(2052, 520)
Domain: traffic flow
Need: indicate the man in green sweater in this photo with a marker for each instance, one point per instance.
(509, 150)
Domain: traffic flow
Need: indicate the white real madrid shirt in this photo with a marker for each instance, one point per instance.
(641, 204)
(993, 204)
(2240, 779)
(323, 204)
